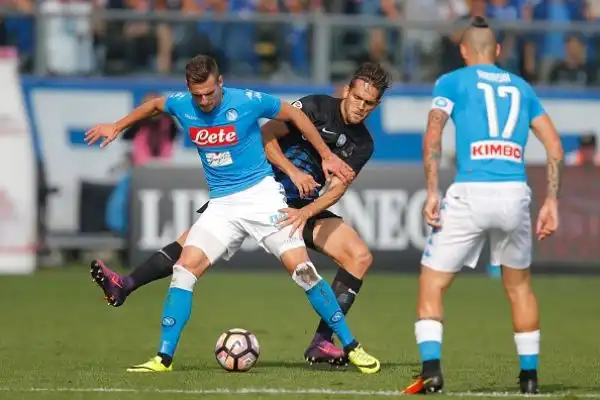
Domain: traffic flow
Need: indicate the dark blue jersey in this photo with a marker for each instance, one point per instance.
(352, 143)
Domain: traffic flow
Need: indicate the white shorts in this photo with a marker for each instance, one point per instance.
(229, 220)
(471, 212)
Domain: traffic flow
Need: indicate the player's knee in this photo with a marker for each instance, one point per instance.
(432, 285)
(193, 260)
(363, 258)
(517, 283)
(434, 282)
(522, 292)
(306, 275)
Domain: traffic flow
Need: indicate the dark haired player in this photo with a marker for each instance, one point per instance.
(341, 124)
(493, 111)
(245, 199)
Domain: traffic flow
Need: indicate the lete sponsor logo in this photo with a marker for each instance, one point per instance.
(215, 136)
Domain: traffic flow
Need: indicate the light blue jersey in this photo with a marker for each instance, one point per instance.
(228, 138)
(492, 111)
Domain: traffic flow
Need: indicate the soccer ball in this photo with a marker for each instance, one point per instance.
(237, 350)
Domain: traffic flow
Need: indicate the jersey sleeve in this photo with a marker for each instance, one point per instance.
(444, 94)
(308, 107)
(535, 105)
(268, 106)
(173, 100)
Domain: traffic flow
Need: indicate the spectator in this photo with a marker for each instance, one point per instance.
(507, 11)
(152, 138)
(378, 52)
(331, 6)
(391, 10)
(267, 49)
(592, 14)
(18, 31)
(574, 70)
(543, 50)
(69, 39)
(450, 52)
(129, 46)
(3, 33)
(296, 40)
(587, 154)
(232, 44)
(176, 38)
(421, 44)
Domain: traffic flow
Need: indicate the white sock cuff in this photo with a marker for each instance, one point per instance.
(428, 330)
(183, 279)
(528, 343)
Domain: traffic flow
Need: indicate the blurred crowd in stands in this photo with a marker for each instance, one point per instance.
(85, 45)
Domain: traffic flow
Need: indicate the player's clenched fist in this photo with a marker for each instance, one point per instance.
(107, 132)
(431, 211)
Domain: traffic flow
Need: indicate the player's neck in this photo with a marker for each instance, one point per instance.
(481, 61)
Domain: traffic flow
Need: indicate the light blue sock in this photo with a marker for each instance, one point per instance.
(323, 300)
(428, 333)
(529, 362)
(494, 271)
(176, 309)
(430, 350)
(528, 349)
(176, 313)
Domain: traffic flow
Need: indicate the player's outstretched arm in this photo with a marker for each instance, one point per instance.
(545, 131)
(109, 132)
(271, 131)
(432, 155)
(331, 162)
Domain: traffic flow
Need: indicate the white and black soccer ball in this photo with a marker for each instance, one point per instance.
(237, 350)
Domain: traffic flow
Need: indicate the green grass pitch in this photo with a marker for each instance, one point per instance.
(59, 340)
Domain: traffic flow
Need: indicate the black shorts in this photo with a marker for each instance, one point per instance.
(307, 232)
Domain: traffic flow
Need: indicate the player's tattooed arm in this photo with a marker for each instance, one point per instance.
(432, 148)
(555, 166)
(545, 131)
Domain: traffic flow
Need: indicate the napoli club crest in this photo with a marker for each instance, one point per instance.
(231, 115)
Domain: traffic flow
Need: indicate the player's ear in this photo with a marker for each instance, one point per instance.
(463, 51)
(220, 80)
(498, 50)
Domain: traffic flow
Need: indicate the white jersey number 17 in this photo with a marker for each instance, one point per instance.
(513, 95)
